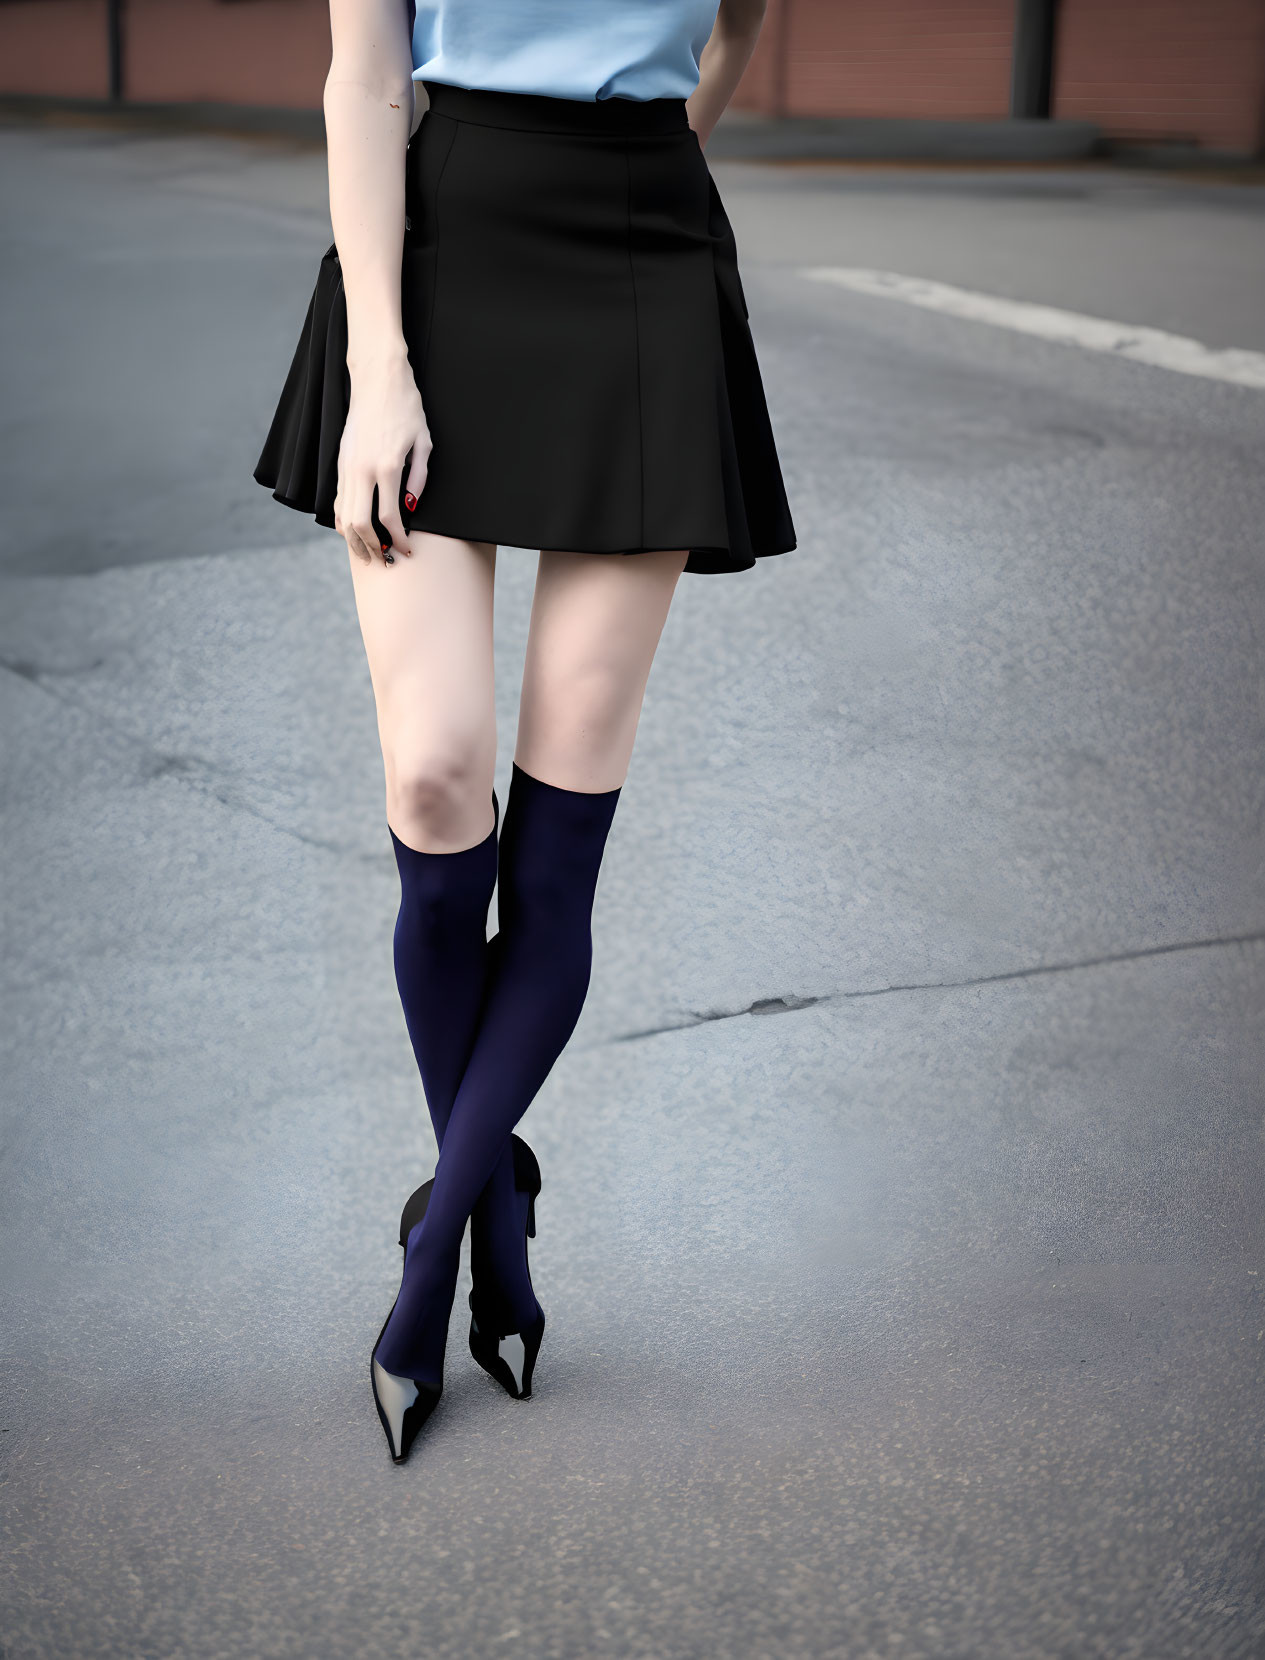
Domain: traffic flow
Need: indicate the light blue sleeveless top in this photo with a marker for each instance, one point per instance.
(586, 49)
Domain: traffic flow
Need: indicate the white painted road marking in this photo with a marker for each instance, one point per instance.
(1067, 328)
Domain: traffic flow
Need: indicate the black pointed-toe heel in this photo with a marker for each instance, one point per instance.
(499, 1351)
(404, 1404)
(494, 1343)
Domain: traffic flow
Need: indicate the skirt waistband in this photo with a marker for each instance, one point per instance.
(534, 112)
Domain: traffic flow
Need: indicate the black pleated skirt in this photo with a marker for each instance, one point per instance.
(577, 327)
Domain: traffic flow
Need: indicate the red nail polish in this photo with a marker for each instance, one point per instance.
(410, 500)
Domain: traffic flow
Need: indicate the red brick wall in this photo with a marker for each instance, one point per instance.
(898, 57)
(760, 88)
(1162, 69)
(265, 52)
(54, 46)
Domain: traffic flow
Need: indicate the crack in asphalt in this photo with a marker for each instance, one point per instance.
(788, 1004)
(194, 772)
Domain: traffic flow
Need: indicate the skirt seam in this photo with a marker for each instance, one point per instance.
(641, 431)
(434, 284)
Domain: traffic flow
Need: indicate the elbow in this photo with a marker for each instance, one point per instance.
(356, 81)
(741, 19)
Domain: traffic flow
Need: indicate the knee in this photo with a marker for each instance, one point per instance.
(438, 799)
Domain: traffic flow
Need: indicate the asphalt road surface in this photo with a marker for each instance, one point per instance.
(903, 1236)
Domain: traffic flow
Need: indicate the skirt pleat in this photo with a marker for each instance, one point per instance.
(578, 330)
(299, 461)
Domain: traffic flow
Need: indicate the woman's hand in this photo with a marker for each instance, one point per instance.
(385, 426)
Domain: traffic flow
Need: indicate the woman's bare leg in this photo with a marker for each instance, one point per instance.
(595, 625)
(427, 628)
(596, 621)
(426, 622)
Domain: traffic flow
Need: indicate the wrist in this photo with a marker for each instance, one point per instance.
(380, 361)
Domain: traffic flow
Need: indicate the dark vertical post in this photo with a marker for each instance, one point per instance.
(114, 47)
(1032, 61)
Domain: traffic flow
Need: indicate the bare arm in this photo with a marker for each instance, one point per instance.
(368, 116)
(724, 58)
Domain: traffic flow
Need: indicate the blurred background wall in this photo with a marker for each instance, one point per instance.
(1189, 72)
(1185, 71)
(267, 52)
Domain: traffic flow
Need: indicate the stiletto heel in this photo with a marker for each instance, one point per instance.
(414, 1209)
(526, 1180)
(404, 1404)
(506, 1354)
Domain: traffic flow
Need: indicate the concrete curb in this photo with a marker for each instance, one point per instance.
(741, 137)
(308, 125)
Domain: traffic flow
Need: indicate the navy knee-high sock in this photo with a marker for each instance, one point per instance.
(550, 854)
(441, 954)
(441, 969)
